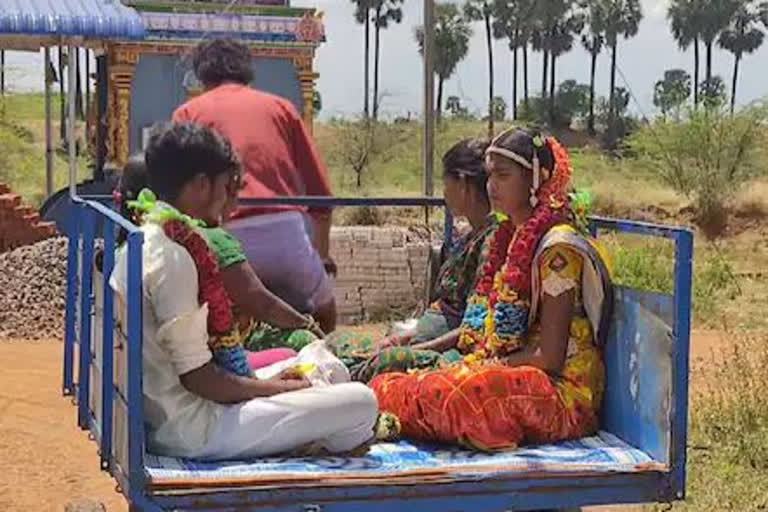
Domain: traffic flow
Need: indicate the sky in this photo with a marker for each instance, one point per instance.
(642, 61)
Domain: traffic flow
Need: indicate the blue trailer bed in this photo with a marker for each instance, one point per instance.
(638, 456)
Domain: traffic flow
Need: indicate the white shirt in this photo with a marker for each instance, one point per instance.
(179, 423)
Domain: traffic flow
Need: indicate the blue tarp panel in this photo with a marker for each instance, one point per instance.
(86, 18)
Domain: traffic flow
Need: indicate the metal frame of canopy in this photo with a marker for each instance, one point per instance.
(36, 41)
(31, 27)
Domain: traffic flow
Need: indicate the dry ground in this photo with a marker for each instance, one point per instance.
(47, 461)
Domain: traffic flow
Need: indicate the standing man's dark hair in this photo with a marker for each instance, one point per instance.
(178, 152)
(218, 61)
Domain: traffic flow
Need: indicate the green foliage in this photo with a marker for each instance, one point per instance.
(728, 436)
(572, 101)
(707, 158)
(498, 108)
(671, 92)
(452, 34)
(646, 267)
(712, 93)
(650, 266)
(743, 35)
(622, 19)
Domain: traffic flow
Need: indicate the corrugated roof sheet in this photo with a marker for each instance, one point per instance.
(87, 18)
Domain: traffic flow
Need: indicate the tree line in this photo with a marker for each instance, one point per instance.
(553, 28)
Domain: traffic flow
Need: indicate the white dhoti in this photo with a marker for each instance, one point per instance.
(334, 413)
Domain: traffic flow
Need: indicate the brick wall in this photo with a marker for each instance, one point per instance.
(382, 270)
(20, 224)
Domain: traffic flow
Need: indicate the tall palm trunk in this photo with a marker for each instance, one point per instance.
(525, 74)
(439, 109)
(696, 72)
(612, 98)
(514, 83)
(709, 61)
(592, 70)
(553, 60)
(367, 67)
(376, 50)
(735, 79)
(489, 42)
(545, 61)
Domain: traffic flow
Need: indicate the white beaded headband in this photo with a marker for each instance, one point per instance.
(522, 161)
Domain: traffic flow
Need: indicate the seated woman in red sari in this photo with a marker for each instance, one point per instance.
(533, 330)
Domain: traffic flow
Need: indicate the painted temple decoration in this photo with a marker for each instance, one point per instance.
(148, 79)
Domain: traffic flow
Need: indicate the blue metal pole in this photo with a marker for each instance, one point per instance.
(107, 388)
(71, 311)
(86, 303)
(135, 401)
(681, 356)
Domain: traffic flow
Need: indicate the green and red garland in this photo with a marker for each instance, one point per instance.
(225, 341)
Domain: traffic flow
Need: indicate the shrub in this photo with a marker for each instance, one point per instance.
(707, 158)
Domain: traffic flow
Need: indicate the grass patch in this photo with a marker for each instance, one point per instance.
(648, 264)
(728, 440)
(22, 139)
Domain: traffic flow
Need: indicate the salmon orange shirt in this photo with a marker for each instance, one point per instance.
(278, 155)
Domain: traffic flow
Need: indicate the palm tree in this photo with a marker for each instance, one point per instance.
(684, 19)
(482, 10)
(512, 20)
(622, 19)
(568, 26)
(362, 16)
(741, 37)
(384, 11)
(452, 34)
(542, 21)
(593, 42)
(715, 17)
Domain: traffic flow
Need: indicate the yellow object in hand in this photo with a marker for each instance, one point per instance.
(304, 368)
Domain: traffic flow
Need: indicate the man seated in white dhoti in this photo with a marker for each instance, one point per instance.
(194, 407)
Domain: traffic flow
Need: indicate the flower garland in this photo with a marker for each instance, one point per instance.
(224, 335)
(496, 319)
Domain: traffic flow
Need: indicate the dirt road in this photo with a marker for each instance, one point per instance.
(45, 460)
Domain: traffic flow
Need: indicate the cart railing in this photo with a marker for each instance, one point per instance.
(112, 410)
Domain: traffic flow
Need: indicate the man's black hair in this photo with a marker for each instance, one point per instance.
(222, 60)
(178, 152)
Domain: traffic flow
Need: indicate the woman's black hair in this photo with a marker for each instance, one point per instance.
(132, 181)
(521, 142)
(222, 60)
(466, 159)
(177, 152)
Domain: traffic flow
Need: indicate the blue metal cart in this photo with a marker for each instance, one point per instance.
(638, 456)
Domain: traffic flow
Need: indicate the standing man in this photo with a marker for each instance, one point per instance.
(279, 159)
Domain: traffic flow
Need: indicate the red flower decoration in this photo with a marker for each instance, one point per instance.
(210, 284)
(512, 250)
